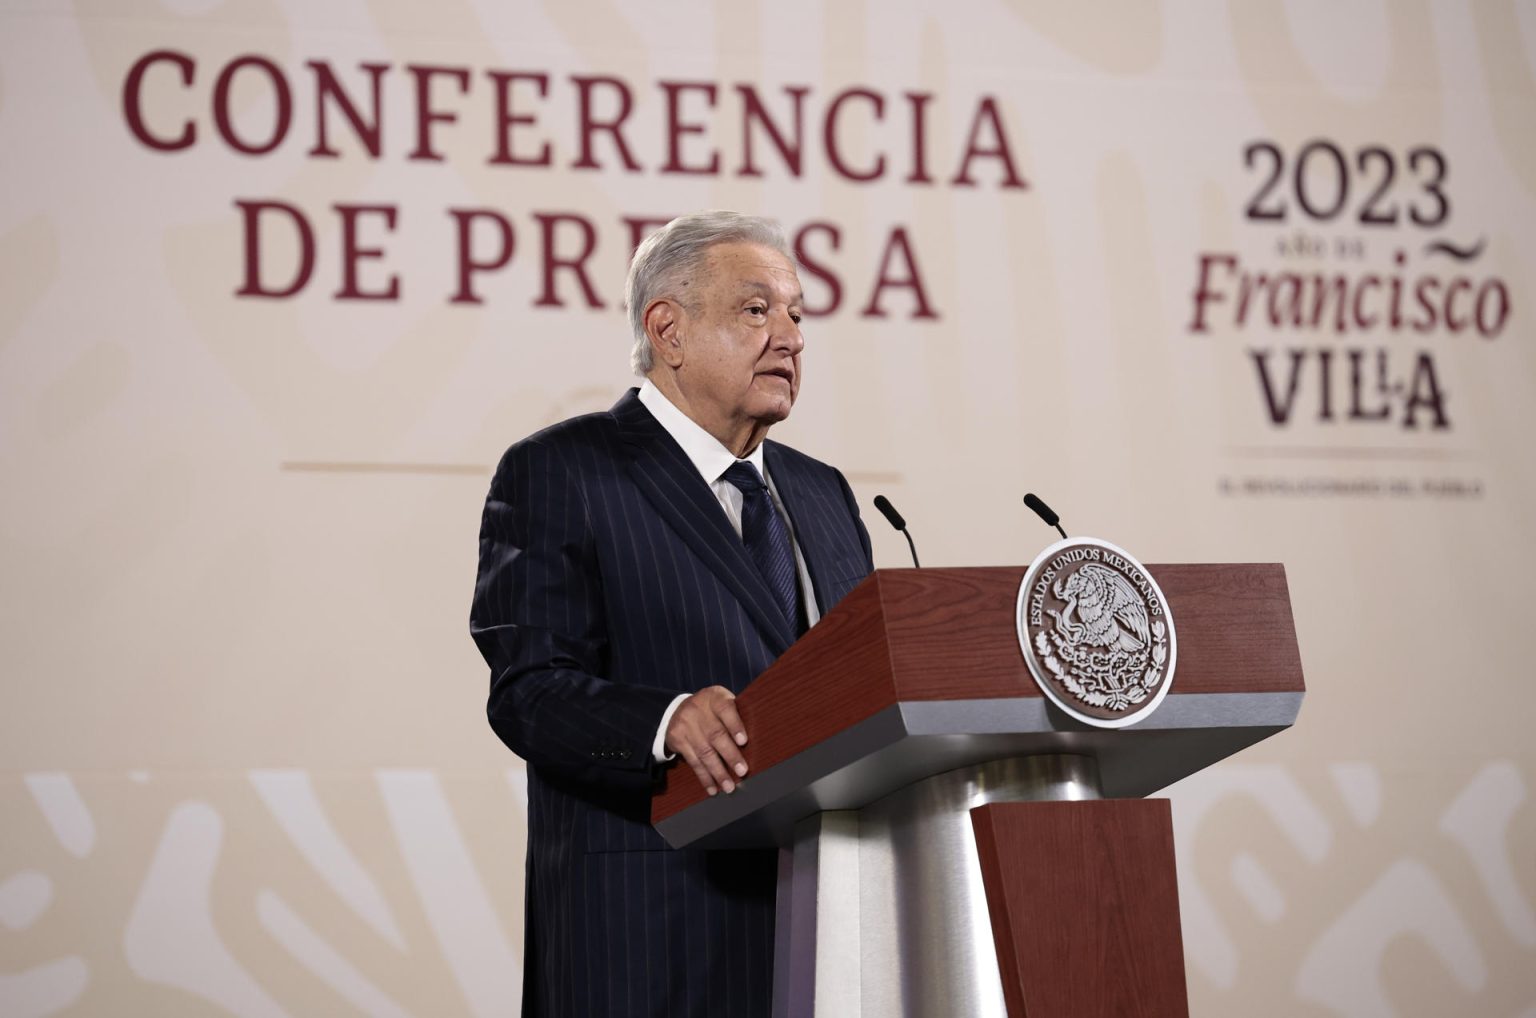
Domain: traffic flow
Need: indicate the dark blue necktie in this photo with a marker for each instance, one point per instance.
(767, 539)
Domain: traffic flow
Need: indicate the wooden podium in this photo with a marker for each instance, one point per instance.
(954, 844)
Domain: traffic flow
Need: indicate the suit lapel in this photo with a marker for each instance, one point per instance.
(669, 480)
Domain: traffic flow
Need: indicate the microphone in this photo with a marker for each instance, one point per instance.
(1043, 511)
(894, 519)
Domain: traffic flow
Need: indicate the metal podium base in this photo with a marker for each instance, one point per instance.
(881, 910)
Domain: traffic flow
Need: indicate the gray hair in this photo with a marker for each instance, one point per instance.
(668, 257)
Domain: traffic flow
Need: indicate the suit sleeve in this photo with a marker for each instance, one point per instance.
(538, 619)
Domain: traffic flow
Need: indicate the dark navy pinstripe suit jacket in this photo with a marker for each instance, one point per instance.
(610, 581)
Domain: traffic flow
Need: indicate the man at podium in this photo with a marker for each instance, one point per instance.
(638, 567)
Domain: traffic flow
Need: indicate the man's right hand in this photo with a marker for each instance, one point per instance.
(706, 731)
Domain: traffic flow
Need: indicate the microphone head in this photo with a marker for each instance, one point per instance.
(1041, 510)
(889, 512)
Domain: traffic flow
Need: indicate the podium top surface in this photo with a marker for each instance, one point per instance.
(920, 671)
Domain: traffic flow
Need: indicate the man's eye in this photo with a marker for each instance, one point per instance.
(756, 309)
(794, 316)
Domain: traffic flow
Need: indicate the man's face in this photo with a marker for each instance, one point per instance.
(741, 333)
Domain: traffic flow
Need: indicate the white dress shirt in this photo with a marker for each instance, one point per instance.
(712, 459)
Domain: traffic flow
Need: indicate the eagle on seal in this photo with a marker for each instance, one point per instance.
(1110, 612)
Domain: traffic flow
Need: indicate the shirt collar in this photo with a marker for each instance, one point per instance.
(709, 457)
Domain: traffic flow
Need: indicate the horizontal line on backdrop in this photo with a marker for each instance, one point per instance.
(356, 467)
(478, 470)
(1345, 453)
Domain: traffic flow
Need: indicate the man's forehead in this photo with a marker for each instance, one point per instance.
(745, 254)
(753, 267)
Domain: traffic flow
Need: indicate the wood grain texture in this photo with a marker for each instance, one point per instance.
(1084, 903)
(948, 634)
(1236, 630)
(952, 632)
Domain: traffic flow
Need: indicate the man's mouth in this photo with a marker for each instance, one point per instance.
(783, 373)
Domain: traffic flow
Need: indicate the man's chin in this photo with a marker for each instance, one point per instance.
(772, 411)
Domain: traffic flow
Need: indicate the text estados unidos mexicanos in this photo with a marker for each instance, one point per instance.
(1073, 556)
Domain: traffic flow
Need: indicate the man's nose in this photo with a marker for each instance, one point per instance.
(787, 334)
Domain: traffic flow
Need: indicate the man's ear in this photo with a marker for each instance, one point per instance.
(663, 327)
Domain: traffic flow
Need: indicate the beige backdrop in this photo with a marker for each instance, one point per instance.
(245, 766)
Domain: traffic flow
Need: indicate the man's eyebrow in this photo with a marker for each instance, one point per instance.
(749, 286)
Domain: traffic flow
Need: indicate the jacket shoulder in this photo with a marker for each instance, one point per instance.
(794, 459)
(586, 431)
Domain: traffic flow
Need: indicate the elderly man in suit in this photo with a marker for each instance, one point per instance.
(638, 568)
